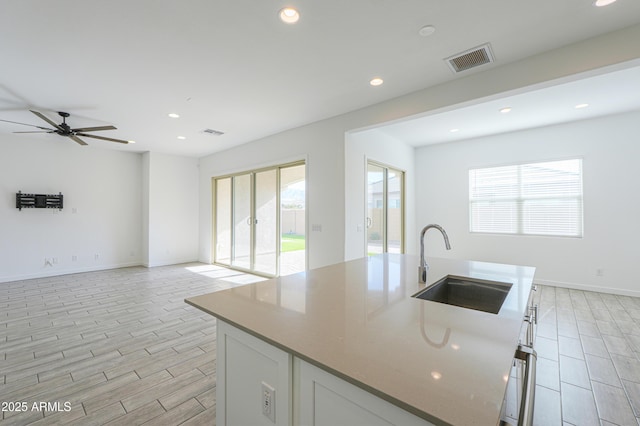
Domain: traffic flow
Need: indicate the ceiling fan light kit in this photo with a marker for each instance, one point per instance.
(63, 129)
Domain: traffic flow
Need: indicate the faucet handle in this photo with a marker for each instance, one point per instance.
(422, 273)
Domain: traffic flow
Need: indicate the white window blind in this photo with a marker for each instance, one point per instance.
(527, 199)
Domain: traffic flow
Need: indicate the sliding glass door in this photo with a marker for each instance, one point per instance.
(222, 212)
(375, 209)
(266, 222)
(292, 219)
(395, 211)
(241, 247)
(259, 220)
(385, 209)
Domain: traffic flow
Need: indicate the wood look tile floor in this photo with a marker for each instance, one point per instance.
(121, 347)
(588, 370)
(111, 347)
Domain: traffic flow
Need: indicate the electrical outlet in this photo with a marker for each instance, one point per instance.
(599, 272)
(268, 401)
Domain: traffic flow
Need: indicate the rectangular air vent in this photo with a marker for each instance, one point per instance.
(214, 132)
(470, 58)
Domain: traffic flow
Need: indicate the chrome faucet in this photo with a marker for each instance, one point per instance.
(423, 268)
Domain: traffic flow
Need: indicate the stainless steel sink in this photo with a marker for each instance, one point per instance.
(470, 293)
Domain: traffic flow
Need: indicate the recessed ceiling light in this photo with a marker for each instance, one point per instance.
(454, 130)
(579, 106)
(377, 81)
(174, 115)
(505, 110)
(181, 138)
(289, 15)
(427, 30)
(600, 3)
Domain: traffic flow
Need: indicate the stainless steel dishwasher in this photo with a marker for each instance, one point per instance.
(519, 401)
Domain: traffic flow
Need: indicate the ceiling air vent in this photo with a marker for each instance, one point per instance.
(470, 58)
(214, 132)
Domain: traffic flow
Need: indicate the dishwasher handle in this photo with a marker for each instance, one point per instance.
(528, 355)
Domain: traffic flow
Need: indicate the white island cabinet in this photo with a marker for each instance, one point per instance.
(303, 393)
(246, 367)
(322, 399)
(349, 344)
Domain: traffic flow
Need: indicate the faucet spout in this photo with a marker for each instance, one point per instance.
(423, 268)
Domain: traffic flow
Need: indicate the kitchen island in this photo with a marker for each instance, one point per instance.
(349, 339)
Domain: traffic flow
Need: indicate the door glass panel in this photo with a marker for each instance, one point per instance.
(394, 210)
(266, 230)
(292, 219)
(375, 209)
(223, 221)
(242, 221)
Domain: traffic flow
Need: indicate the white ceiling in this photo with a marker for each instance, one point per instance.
(594, 96)
(233, 66)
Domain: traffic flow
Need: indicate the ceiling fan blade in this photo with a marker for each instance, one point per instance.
(77, 139)
(93, 129)
(38, 131)
(25, 124)
(103, 138)
(45, 118)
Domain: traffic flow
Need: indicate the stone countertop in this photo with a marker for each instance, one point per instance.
(358, 321)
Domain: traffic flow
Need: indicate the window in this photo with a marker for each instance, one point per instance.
(527, 199)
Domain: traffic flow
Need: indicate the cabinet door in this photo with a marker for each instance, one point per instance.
(245, 364)
(323, 399)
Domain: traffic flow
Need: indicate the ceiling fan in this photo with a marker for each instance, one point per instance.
(63, 129)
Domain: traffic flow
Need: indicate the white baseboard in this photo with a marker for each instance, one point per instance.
(170, 262)
(58, 272)
(610, 290)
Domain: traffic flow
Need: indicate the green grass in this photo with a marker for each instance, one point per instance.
(290, 242)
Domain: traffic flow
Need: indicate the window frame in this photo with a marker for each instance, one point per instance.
(519, 200)
(401, 206)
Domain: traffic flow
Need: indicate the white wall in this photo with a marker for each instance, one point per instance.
(611, 180)
(330, 170)
(133, 209)
(376, 146)
(101, 215)
(171, 234)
